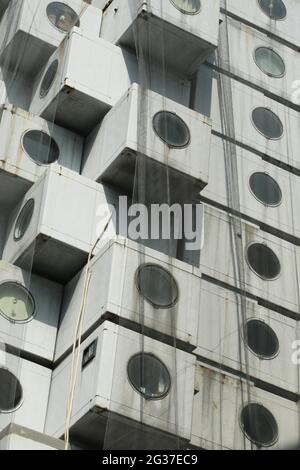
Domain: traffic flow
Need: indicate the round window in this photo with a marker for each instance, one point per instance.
(48, 79)
(16, 302)
(265, 189)
(171, 129)
(275, 9)
(24, 219)
(267, 123)
(259, 425)
(41, 147)
(62, 16)
(189, 7)
(157, 285)
(149, 376)
(261, 339)
(269, 62)
(10, 391)
(263, 261)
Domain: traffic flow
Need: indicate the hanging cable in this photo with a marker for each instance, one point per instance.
(76, 350)
(232, 184)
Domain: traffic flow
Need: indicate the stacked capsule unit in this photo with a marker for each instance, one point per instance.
(110, 340)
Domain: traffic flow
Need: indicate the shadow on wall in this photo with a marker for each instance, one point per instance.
(3, 226)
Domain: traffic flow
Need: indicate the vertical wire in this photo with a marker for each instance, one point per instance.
(146, 62)
(143, 37)
(232, 184)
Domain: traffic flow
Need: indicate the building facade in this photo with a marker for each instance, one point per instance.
(150, 229)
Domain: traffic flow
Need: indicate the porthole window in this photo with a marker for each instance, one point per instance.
(269, 62)
(40, 147)
(263, 261)
(24, 219)
(267, 123)
(62, 16)
(48, 79)
(149, 376)
(189, 7)
(265, 189)
(275, 9)
(259, 425)
(171, 129)
(157, 285)
(10, 391)
(261, 339)
(16, 302)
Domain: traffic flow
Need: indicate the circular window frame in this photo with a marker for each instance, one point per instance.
(55, 27)
(36, 162)
(257, 198)
(242, 427)
(185, 12)
(270, 17)
(162, 397)
(175, 147)
(275, 52)
(16, 408)
(259, 131)
(253, 270)
(43, 95)
(29, 201)
(175, 301)
(13, 281)
(260, 356)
